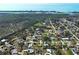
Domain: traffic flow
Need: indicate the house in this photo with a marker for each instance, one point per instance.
(14, 52)
(77, 47)
(30, 50)
(65, 38)
(52, 38)
(3, 40)
(49, 50)
(46, 44)
(30, 45)
(7, 44)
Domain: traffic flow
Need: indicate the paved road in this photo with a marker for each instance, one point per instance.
(70, 31)
(52, 26)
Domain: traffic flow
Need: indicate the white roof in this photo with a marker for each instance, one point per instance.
(30, 50)
(3, 40)
(37, 28)
(14, 51)
(52, 37)
(77, 43)
(7, 44)
(65, 38)
(44, 23)
(30, 45)
(45, 44)
(49, 50)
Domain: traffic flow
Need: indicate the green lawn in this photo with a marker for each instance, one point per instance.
(69, 52)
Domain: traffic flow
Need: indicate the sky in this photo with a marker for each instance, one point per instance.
(46, 7)
(11, 5)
